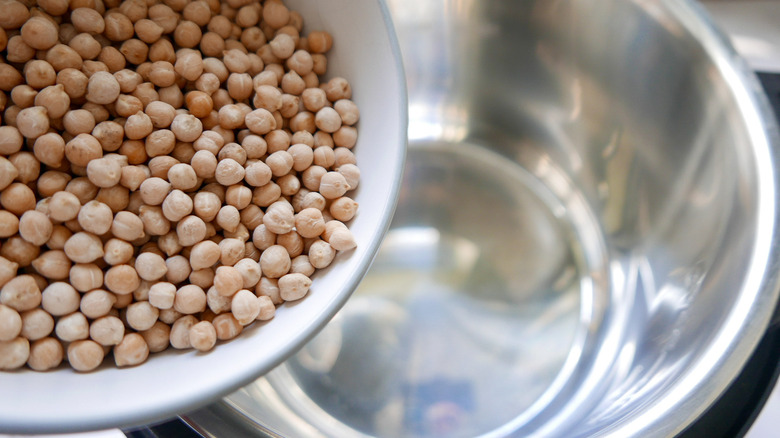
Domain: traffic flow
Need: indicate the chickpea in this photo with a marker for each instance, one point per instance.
(122, 279)
(150, 267)
(10, 323)
(275, 261)
(14, 353)
(131, 350)
(35, 227)
(96, 303)
(127, 226)
(21, 293)
(179, 336)
(178, 269)
(45, 354)
(102, 88)
(191, 230)
(33, 122)
(177, 205)
(60, 299)
(203, 336)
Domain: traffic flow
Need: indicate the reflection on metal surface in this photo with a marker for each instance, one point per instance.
(582, 244)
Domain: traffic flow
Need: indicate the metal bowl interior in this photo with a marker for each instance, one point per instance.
(366, 53)
(585, 242)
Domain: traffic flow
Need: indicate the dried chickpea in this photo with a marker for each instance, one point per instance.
(178, 269)
(294, 286)
(183, 177)
(45, 354)
(37, 324)
(150, 267)
(96, 303)
(35, 227)
(121, 279)
(177, 205)
(10, 323)
(131, 350)
(127, 226)
(14, 353)
(275, 261)
(85, 355)
(107, 330)
(245, 307)
(33, 122)
(203, 336)
(157, 337)
(60, 299)
(141, 315)
(102, 88)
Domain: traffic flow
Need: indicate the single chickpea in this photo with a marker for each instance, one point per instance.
(206, 205)
(204, 255)
(293, 84)
(231, 250)
(294, 286)
(77, 122)
(19, 251)
(155, 222)
(60, 299)
(191, 230)
(107, 330)
(121, 279)
(141, 315)
(85, 355)
(154, 190)
(309, 222)
(183, 177)
(275, 261)
(157, 337)
(245, 307)
(276, 15)
(36, 324)
(14, 353)
(39, 74)
(301, 265)
(229, 172)
(228, 218)
(177, 205)
(189, 299)
(127, 226)
(82, 149)
(238, 196)
(324, 156)
(45, 354)
(303, 121)
(162, 294)
(279, 220)
(321, 254)
(150, 267)
(226, 326)
(269, 287)
(204, 163)
(85, 276)
(266, 195)
(260, 121)
(187, 127)
(148, 31)
(10, 323)
(49, 149)
(333, 185)
(178, 269)
(180, 338)
(84, 247)
(21, 293)
(9, 224)
(8, 172)
(133, 176)
(35, 227)
(203, 336)
(96, 303)
(131, 350)
(104, 172)
(292, 242)
(343, 209)
(33, 122)
(102, 88)
(72, 327)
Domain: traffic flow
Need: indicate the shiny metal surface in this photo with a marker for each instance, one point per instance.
(585, 243)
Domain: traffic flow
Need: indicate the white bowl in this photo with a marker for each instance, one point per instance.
(365, 52)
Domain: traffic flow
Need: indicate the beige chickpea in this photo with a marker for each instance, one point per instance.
(321, 254)
(203, 336)
(204, 254)
(228, 218)
(301, 265)
(260, 121)
(141, 315)
(84, 247)
(162, 295)
(133, 176)
(157, 338)
(333, 185)
(189, 299)
(204, 278)
(292, 242)
(275, 261)
(182, 176)
(8, 270)
(228, 280)
(169, 244)
(191, 230)
(85, 276)
(343, 209)
(121, 279)
(309, 222)
(60, 298)
(154, 190)
(117, 251)
(269, 287)
(83, 148)
(37, 324)
(226, 326)
(10, 323)
(51, 182)
(107, 330)
(150, 267)
(102, 88)
(49, 149)
(186, 127)
(245, 307)
(96, 303)
(59, 235)
(250, 272)
(231, 250)
(159, 166)
(217, 303)
(35, 227)
(176, 205)
(294, 286)
(45, 354)
(53, 264)
(14, 353)
(127, 226)
(9, 224)
(19, 251)
(104, 172)
(72, 327)
(178, 269)
(131, 350)
(206, 205)
(85, 355)
(180, 338)
(33, 122)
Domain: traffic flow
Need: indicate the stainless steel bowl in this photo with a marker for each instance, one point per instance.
(585, 243)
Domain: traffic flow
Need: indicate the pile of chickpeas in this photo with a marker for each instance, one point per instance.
(170, 172)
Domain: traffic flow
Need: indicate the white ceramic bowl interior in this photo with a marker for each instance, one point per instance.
(366, 53)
